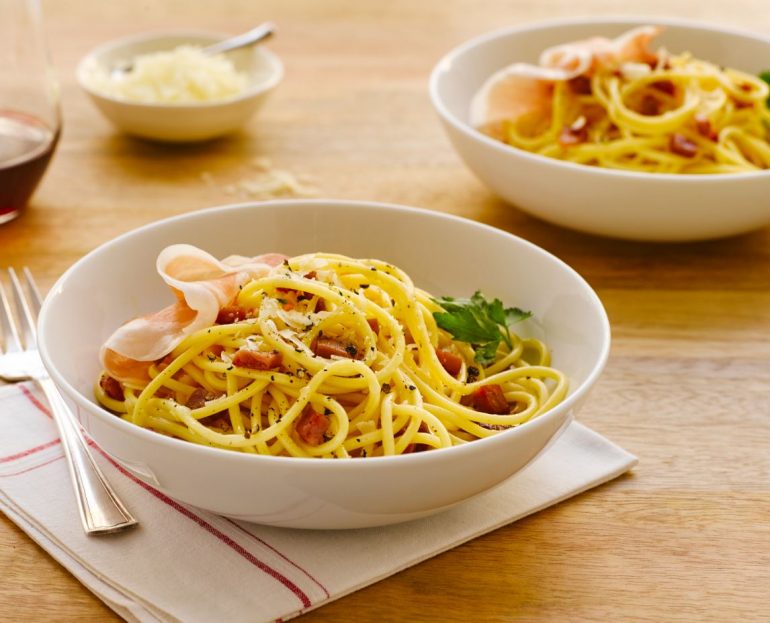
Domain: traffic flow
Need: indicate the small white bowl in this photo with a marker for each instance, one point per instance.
(444, 254)
(639, 206)
(180, 122)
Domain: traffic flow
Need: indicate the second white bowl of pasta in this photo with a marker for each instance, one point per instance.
(645, 129)
(356, 379)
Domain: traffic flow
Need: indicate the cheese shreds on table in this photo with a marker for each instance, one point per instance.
(180, 76)
(263, 181)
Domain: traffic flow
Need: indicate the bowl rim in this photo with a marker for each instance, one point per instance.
(441, 68)
(254, 89)
(93, 408)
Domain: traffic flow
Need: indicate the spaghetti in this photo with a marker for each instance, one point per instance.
(329, 356)
(628, 108)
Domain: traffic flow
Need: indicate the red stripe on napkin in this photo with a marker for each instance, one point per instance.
(221, 536)
(30, 396)
(21, 455)
(291, 562)
(33, 468)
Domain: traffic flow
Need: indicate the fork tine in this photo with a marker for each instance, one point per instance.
(35, 299)
(24, 313)
(11, 340)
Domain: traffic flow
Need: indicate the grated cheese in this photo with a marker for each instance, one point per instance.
(264, 182)
(180, 76)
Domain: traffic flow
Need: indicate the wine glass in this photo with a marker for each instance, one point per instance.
(29, 105)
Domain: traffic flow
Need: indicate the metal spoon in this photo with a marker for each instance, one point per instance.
(253, 36)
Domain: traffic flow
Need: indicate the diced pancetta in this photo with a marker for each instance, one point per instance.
(311, 426)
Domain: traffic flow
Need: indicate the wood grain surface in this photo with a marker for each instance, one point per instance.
(685, 537)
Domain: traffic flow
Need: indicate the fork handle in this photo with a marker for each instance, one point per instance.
(100, 509)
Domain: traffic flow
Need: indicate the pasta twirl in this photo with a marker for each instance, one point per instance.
(328, 356)
(616, 104)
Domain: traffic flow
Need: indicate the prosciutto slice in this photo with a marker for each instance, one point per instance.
(521, 88)
(202, 285)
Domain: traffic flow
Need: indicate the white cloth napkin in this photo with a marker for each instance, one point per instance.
(173, 566)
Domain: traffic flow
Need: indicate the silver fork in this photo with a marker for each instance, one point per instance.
(101, 512)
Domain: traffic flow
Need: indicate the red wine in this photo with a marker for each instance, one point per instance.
(26, 147)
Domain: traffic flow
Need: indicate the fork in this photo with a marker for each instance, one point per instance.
(101, 512)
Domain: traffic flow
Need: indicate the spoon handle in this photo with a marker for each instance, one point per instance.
(255, 35)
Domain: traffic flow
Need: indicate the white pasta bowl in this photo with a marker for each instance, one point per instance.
(631, 205)
(180, 122)
(445, 255)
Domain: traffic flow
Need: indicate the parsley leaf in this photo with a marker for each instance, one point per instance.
(466, 327)
(486, 353)
(514, 315)
(479, 322)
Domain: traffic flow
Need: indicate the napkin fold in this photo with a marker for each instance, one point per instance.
(184, 564)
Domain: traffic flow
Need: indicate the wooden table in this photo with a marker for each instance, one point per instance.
(685, 537)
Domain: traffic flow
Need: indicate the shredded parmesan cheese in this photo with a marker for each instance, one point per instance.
(264, 182)
(181, 76)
